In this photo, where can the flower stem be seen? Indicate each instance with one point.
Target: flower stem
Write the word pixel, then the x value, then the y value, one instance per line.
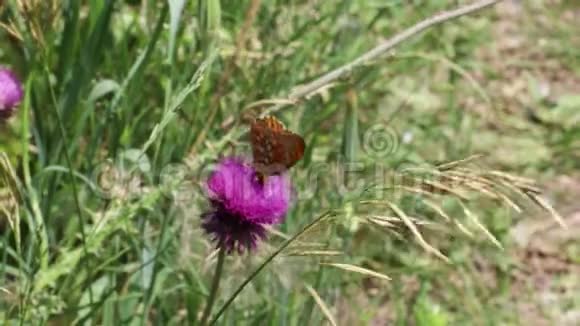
pixel 214 285
pixel 266 262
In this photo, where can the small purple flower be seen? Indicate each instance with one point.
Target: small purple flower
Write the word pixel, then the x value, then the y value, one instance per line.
pixel 10 93
pixel 242 205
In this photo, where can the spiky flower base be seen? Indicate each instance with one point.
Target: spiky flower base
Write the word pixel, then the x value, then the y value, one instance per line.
pixel 232 231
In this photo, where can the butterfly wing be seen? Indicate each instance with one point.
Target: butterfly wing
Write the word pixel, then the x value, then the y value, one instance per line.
pixel 291 149
pixel 274 148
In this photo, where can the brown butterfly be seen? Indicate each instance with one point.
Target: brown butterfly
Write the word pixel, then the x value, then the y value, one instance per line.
pixel 274 148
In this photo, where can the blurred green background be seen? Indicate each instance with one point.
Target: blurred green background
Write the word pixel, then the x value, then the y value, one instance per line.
pixel 128 103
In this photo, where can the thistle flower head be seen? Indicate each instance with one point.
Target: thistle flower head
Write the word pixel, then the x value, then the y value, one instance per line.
pixel 10 93
pixel 242 205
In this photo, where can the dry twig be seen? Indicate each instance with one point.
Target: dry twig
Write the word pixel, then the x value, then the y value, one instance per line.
pixel 303 91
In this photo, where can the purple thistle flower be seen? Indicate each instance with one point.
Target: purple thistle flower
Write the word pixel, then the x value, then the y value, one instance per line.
pixel 242 206
pixel 10 93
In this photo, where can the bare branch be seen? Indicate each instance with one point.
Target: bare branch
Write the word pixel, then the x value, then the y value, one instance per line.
pixel 302 91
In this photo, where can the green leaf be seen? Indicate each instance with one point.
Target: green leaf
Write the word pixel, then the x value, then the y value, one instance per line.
pixel 566 112
pixel 214 13
pixel 102 88
pixel 350 138
pixel 132 157
pixel 513 151
pixel 428 313
pixel 175 10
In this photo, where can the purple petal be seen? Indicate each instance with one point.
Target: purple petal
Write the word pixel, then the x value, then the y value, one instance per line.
pixel 10 92
pixel 235 185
